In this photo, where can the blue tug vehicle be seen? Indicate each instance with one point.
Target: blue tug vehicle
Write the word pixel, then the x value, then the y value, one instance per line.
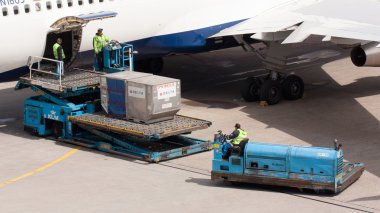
pixel 316 168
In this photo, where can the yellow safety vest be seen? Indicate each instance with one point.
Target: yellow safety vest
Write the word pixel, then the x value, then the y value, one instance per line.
pixel 55 51
pixel 99 42
pixel 242 134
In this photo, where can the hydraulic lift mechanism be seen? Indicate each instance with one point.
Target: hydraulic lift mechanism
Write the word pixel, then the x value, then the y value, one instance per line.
pixel 68 108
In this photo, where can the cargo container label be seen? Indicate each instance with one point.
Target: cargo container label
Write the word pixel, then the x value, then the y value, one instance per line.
pixel 166 106
pixel 165 91
pixel 136 92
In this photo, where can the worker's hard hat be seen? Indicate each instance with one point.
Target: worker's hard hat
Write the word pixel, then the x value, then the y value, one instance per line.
pixel 100 30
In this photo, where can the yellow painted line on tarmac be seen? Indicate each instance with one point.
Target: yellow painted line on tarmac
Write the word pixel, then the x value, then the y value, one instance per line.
pixel 42 168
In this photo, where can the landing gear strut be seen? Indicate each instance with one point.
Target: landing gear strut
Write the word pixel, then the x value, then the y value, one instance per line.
pixel 272 88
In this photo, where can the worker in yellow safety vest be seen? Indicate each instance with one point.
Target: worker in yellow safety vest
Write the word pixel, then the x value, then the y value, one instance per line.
pixel 59 55
pixel 238 135
pixel 99 41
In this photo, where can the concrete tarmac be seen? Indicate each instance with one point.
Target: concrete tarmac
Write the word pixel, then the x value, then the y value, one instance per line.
pixel 341 102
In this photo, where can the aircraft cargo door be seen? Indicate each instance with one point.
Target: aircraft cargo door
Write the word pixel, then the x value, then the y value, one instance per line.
pixel 69 29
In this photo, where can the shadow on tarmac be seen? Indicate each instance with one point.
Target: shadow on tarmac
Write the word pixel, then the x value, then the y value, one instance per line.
pixel 328 113
pixel 366 198
pixel 105 154
pixel 11 112
pixel 11 121
pixel 257 187
pixel 328 110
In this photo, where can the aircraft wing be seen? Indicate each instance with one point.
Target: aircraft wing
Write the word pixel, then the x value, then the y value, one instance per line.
pixel 342 21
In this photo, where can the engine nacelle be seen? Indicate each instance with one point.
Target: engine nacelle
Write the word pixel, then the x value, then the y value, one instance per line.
pixel 367 55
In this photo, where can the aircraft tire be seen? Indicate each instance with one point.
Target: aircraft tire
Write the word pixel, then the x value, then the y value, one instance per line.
pixel 271 92
pixel 250 90
pixel 292 87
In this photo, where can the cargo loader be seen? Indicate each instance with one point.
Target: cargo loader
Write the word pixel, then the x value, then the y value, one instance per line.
pixel 316 168
pixel 71 108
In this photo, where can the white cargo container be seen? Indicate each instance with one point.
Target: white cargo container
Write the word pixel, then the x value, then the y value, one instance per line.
pixel 113 92
pixel 153 98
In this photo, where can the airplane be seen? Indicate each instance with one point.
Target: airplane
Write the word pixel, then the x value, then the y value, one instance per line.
pixel 158 28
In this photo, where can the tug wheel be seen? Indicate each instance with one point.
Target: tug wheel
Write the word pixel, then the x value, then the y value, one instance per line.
pixel 57 129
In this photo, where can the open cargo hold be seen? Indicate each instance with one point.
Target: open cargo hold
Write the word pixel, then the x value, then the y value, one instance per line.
pixel 113 94
pixel 153 98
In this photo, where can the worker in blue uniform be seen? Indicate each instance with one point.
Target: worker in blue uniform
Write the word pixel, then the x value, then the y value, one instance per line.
pixel 59 55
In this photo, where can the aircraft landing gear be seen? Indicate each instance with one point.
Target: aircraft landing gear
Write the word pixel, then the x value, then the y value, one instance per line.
pixel 272 88
pixel 250 90
pixel 270 91
pixel 292 87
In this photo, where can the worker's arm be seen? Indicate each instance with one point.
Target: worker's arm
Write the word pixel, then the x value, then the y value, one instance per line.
pixel 106 39
pixel 94 44
pixel 233 135
pixel 59 50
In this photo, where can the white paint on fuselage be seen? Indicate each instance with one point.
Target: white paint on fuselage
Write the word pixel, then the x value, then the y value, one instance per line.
pixel 24 34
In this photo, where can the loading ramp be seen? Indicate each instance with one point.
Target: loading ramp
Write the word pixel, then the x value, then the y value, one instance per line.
pixel 67 107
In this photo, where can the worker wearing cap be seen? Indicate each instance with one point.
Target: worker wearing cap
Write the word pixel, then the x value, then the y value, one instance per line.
pixel 99 41
pixel 238 135
pixel 59 54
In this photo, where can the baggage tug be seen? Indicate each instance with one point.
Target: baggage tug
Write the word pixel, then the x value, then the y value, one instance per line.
pixel 283 165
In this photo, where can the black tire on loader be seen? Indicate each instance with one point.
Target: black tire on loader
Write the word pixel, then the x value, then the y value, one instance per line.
pixel 57 129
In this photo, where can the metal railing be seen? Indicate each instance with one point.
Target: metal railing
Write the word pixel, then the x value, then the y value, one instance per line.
pixel 127 56
pixel 58 71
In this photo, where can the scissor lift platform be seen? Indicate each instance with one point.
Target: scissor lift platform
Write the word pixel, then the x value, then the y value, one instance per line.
pixel 68 108
pixel 179 125
pixel 73 80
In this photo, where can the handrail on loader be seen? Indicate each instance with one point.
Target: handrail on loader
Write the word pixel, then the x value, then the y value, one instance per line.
pixel 36 59
pixel 130 58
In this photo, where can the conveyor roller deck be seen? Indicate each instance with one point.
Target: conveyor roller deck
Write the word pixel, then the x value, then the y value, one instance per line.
pixel 75 79
pixel 179 125
pixel 67 107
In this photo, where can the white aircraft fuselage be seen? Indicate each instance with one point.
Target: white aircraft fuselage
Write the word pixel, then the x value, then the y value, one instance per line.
pixel 155 27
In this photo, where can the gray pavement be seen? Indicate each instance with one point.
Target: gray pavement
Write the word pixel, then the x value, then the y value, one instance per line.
pixel 340 101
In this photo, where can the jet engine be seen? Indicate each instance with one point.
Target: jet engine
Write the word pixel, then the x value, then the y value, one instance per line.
pixel 366 56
